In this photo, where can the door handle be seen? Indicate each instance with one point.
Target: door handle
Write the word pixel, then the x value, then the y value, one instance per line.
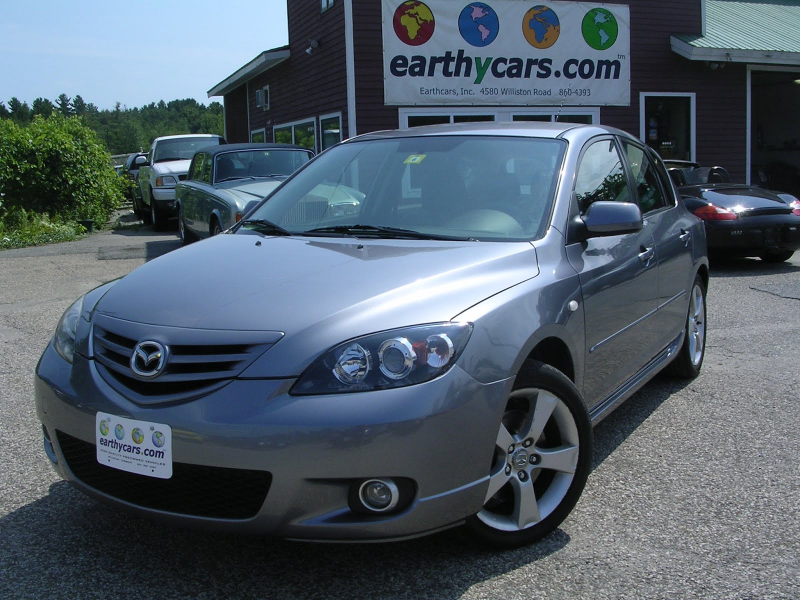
pixel 646 255
pixel 685 236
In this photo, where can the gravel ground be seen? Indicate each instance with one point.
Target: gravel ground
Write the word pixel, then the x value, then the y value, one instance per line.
pixel 695 489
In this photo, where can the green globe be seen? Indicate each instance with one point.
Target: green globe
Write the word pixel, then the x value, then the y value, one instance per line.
pixel 599 29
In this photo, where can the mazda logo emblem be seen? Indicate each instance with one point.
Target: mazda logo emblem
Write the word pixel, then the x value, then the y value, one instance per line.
pixel 148 359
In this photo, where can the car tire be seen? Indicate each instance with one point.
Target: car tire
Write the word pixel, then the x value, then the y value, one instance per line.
pixel 541 460
pixel 777 257
pixel 216 228
pixel 183 233
pixel 156 218
pixel 689 360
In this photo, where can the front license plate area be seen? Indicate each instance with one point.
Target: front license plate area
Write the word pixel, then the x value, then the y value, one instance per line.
pixel 139 447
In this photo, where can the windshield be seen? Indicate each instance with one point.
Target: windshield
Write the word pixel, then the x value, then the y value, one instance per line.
pixel 182 148
pixel 258 163
pixel 441 187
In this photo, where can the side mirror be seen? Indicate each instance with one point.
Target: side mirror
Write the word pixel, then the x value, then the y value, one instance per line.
pixel 612 218
pixel 140 160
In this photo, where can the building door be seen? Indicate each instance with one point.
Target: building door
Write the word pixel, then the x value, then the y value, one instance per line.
pixel 667 123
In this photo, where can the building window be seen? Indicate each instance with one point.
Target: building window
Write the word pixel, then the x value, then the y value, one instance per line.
pixel 326 4
pixel 330 127
pixel 667 124
pixel 258 136
pixel 415 117
pixel 301 133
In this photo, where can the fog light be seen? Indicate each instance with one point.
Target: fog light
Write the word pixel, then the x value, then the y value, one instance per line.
pixel 379 495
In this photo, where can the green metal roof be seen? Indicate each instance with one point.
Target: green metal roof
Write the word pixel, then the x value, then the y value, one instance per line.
pixel 751 31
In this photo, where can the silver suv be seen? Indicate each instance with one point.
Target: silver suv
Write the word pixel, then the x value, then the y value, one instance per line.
pixel 434 356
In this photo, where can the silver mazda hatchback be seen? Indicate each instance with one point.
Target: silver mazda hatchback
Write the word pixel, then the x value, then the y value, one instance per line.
pixel 435 355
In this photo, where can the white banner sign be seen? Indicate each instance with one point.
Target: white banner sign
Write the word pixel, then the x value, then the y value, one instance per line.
pixel 506 52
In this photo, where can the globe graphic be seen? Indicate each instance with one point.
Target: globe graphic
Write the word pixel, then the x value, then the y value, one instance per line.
pixel 119 431
pixel 478 24
pixel 137 436
pixel 541 27
pixel 104 428
pixel 158 439
pixel 599 29
pixel 413 23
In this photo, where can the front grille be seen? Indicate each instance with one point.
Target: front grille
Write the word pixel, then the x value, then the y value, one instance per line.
pixel 199 361
pixel 182 177
pixel 193 490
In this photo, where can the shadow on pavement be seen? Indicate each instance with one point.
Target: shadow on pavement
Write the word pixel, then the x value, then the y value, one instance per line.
pixel 68 545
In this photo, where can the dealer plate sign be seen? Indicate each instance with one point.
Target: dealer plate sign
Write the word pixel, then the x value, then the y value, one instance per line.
pixel 139 447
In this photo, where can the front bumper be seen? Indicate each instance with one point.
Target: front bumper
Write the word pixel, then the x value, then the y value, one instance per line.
pixel 752 236
pixel 164 200
pixel 439 435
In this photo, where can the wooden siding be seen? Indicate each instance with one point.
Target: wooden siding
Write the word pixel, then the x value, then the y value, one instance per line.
pixel 309 86
pixel 305 86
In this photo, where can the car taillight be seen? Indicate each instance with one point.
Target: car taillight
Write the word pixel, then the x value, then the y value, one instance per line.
pixel 795 207
pixel 715 213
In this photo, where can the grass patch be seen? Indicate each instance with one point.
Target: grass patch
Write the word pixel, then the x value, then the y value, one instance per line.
pixel 37 230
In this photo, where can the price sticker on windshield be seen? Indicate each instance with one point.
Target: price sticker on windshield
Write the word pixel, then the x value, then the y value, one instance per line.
pixel 414 159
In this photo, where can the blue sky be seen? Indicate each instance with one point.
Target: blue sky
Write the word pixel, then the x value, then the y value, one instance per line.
pixel 133 52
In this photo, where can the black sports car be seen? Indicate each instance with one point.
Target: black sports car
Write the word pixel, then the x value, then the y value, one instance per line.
pixel 741 220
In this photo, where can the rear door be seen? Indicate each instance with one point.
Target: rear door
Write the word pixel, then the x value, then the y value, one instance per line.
pixel 672 232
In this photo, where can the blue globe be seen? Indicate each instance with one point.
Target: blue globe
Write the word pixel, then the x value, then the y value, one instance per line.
pixel 478 24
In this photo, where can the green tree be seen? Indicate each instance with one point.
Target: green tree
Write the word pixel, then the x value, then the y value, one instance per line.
pixel 4 113
pixel 64 104
pixel 79 105
pixel 43 106
pixel 20 111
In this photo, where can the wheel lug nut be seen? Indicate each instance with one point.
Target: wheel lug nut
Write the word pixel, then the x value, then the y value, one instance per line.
pixel 527 443
pixel 511 449
pixel 508 469
pixel 535 459
pixel 522 475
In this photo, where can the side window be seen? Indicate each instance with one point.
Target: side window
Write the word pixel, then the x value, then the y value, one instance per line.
pixel 196 168
pixel 206 174
pixel 666 180
pixel 600 176
pixel 649 194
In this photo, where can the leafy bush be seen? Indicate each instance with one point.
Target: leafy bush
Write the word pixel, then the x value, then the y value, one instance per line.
pixel 56 167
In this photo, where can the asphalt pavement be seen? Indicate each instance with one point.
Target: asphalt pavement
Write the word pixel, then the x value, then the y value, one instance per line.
pixel 695 490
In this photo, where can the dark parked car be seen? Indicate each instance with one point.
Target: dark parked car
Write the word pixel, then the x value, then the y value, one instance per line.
pixel 223 179
pixel 741 220
pixel 434 358
pixel 130 171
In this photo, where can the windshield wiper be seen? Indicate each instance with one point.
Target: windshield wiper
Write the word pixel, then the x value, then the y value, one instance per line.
pixel 382 231
pixel 234 178
pixel 265 226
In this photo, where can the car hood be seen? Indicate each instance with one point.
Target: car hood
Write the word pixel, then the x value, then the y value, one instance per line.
pixel 172 167
pixel 250 189
pixel 742 197
pixel 319 292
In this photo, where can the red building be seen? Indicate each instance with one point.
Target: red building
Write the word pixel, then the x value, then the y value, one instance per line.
pixel 716 81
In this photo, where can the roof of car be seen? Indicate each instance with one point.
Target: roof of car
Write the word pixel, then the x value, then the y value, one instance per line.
pixel 188 135
pixel 221 149
pixel 515 128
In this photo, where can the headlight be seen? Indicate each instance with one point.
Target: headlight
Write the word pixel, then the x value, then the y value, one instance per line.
pixel 165 180
pixel 64 338
pixel 385 360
